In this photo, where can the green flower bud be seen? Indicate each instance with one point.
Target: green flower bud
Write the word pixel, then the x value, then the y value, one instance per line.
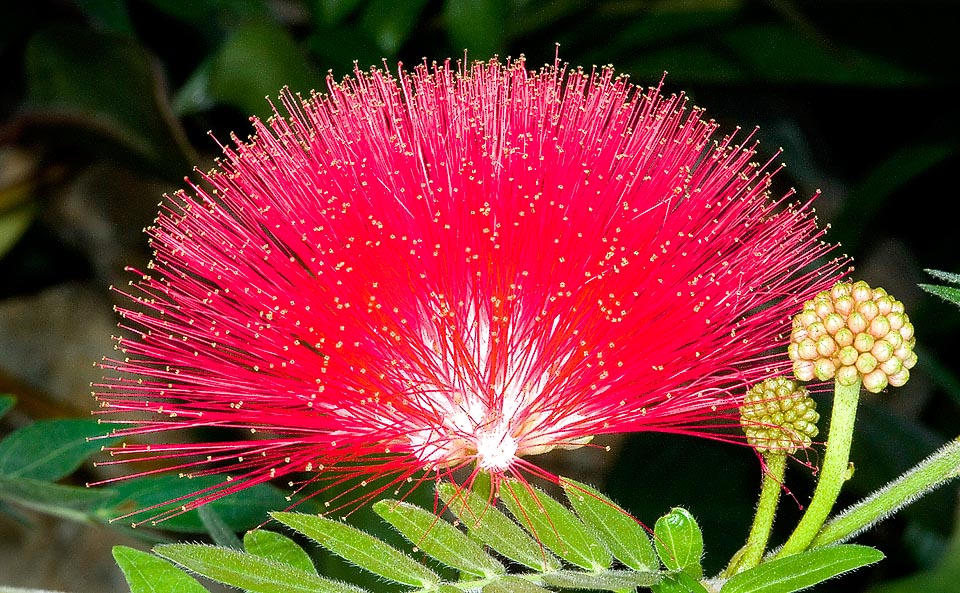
pixel 779 415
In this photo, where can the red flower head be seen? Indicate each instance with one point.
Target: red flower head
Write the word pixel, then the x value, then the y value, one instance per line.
pixel 460 267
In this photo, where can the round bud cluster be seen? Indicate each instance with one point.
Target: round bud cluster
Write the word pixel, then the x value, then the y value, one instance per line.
pixel 853 332
pixel 779 415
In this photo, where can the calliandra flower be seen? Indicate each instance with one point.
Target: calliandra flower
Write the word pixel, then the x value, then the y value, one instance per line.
pixel 458 266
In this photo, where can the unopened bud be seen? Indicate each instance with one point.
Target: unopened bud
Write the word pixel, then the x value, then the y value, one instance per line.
pixel 779 415
pixel 853 332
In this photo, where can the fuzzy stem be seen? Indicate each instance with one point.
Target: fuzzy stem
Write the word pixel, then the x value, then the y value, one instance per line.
pixel 751 553
pixel 833 473
pixel 766 510
pixel 934 471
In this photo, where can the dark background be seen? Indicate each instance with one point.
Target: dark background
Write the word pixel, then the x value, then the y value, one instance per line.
pixel 105 105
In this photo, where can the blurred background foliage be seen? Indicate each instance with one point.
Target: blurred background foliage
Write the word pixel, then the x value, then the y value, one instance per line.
pixel 107 104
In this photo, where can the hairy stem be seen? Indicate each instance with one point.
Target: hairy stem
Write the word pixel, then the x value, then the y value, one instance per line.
pixel 750 554
pixel 929 474
pixel 766 510
pixel 833 473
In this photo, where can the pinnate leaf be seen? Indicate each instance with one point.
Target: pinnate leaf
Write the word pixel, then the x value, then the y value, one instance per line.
pixel 947 293
pixel 362 549
pixel 555 526
pixel 679 542
pixel 238 512
pixel 276 546
pixel 49 449
pixel 622 534
pixel 439 539
pixel 249 572
pixel 799 571
pixel 489 525
pixel 945 276
pixel 951 294
pixel 70 502
pixel 147 573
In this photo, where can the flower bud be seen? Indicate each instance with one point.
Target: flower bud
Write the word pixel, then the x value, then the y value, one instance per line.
pixel 779 415
pixel 853 332
pixel 805 370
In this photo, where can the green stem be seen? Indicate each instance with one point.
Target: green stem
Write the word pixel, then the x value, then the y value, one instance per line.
pixel 833 473
pixel 750 554
pixel 932 472
pixel 766 510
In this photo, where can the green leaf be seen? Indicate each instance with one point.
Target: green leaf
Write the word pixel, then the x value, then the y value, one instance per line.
pixel 238 512
pixel 341 47
pixel 105 84
pixel 623 534
pixel 146 573
pixel 49 449
pixel 6 404
pixel 513 585
pixel 793 573
pixel 488 524
pixel 257 61
pixel 438 539
pixel 246 571
pixel 947 293
pixel 70 502
pixel 664 23
pixel 390 23
pixel 679 582
pixel 945 276
pixel 679 542
pixel 333 12
pixel 554 525
pixel 276 546
pixel 194 95
pixel 219 531
pixel 363 549
pixel 608 580
pixel 478 26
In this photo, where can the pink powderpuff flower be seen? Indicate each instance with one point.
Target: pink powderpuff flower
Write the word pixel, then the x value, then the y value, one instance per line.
pixel 462 265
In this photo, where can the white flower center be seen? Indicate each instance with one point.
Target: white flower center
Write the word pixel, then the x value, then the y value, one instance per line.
pixel 496 451
pixel 491 420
